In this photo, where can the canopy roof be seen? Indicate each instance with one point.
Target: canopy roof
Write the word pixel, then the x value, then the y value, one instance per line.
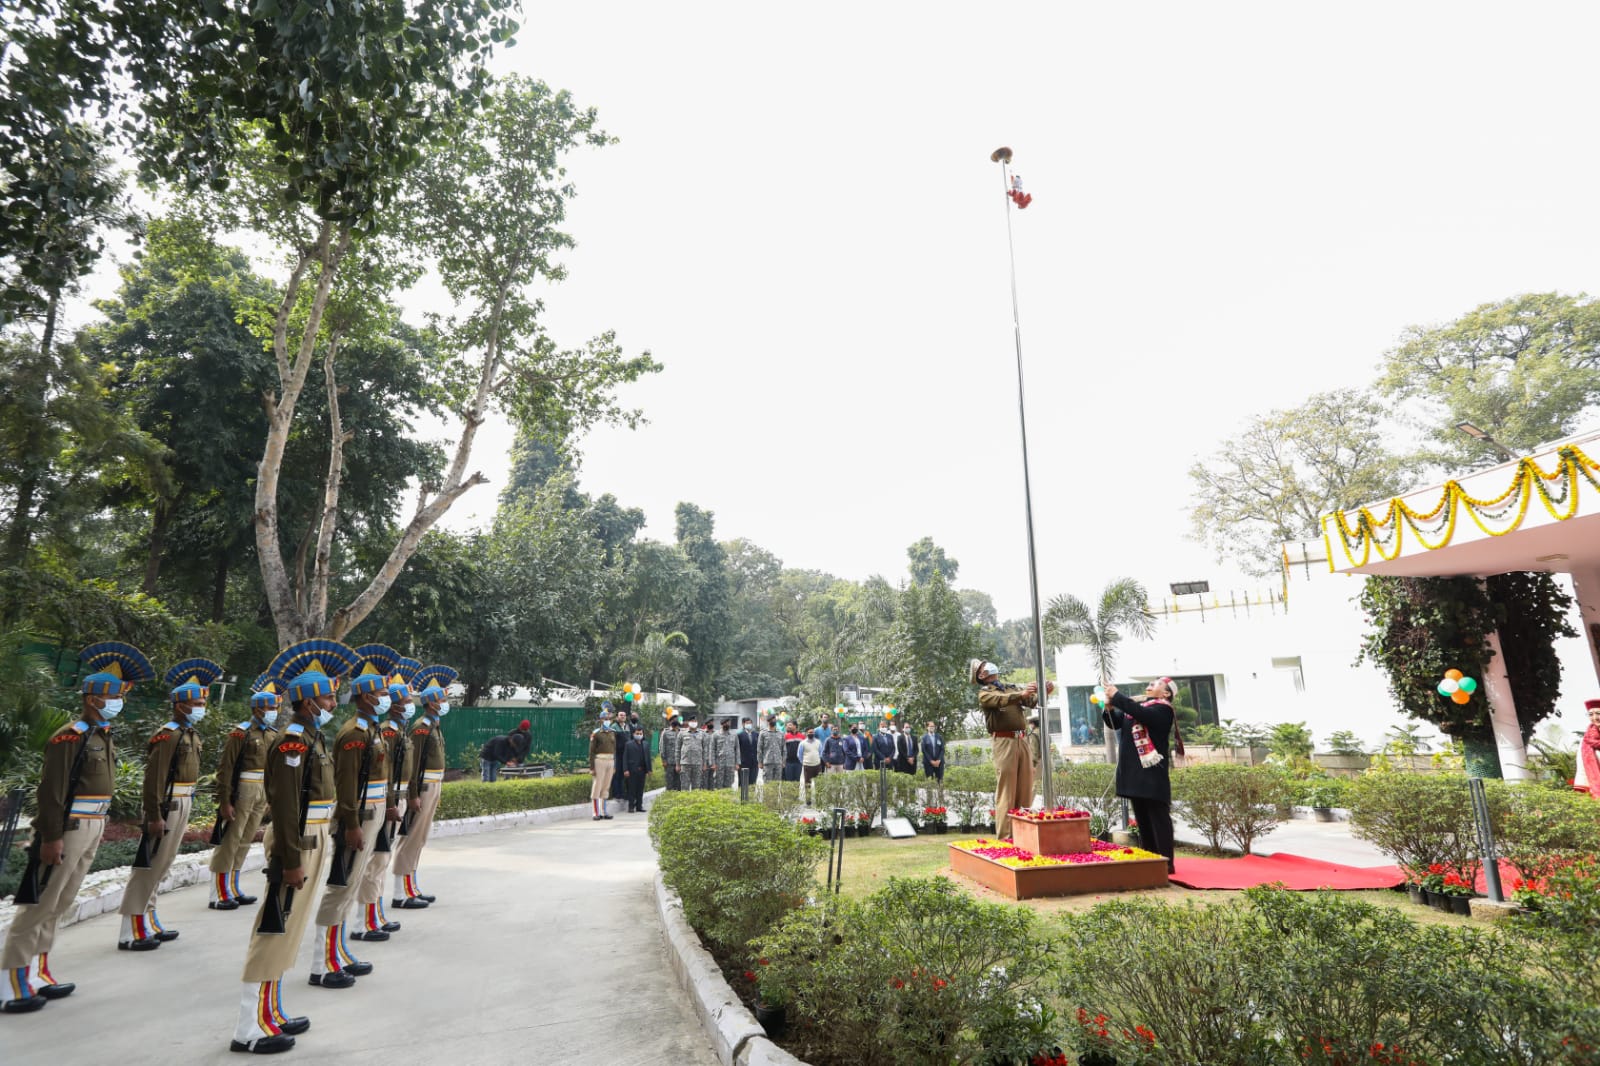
pixel 1541 512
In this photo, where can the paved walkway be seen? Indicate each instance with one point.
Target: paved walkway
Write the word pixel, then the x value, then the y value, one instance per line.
pixel 544 947
pixel 1328 841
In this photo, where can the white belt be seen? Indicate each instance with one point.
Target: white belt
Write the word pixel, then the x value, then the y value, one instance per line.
pixel 185 789
pixel 319 811
pixel 433 775
pixel 252 775
pixel 91 806
pixel 376 794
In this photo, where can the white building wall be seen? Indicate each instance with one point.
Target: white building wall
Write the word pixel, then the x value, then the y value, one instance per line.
pixel 1322 628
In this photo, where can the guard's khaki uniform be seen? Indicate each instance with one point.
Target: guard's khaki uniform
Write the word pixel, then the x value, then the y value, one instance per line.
pixel 427 738
pixel 244 753
pixel 300 750
pixel 401 757
pixel 171 745
pixel 602 764
pixel 1003 716
pixel 33 930
pixel 361 776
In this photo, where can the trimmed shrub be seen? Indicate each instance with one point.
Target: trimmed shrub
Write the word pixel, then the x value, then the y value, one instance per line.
pixel 475 799
pixel 919 973
pixel 1541 830
pixel 1090 786
pixel 1230 803
pixel 737 867
pixel 1419 819
pixel 780 797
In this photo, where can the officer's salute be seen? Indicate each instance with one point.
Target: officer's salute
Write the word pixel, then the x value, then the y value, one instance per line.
pixel 301 795
pixel 74 796
pixel 242 795
pixel 171 768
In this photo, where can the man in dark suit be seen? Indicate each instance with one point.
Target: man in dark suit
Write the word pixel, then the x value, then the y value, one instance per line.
pixel 749 745
pixel 933 753
pixel 883 746
pixel 635 760
pixel 854 749
pixel 905 751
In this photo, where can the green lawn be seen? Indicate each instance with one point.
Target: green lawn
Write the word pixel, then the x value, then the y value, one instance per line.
pixel 870 862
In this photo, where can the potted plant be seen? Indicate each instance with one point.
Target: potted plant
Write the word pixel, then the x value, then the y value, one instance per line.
pixel 1457 892
pixel 808 825
pixel 1433 887
pixel 1322 798
pixel 770 1010
pixel 1414 890
pixel 935 817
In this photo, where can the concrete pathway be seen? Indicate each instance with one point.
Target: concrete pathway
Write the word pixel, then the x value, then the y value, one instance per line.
pixel 1328 841
pixel 544 947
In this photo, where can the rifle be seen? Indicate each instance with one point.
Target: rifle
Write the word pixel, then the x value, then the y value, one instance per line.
pixel 141 858
pixel 35 875
pixel 339 870
pixel 219 828
pixel 422 768
pixel 274 913
pixel 386 833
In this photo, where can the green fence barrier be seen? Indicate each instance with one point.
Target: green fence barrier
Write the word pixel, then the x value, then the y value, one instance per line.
pixel 553 729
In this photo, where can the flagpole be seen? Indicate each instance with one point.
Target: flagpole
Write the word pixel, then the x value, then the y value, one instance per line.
pixel 1047 789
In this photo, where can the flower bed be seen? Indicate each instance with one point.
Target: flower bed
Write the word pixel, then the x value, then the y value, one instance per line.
pixel 1022 874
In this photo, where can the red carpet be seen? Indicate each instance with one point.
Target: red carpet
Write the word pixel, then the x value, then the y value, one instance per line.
pixel 1295 872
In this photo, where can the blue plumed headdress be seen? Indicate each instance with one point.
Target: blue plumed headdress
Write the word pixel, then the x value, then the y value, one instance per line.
pixel 113 668
pixel 264 692
pixel 432 681
pixel 377 663
pixel 192 679
pixel 312 667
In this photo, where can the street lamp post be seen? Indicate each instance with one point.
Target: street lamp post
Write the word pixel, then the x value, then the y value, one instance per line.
pixel 1002 156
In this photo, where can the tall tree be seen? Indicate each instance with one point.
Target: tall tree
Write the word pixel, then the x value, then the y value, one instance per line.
pixel 660 660
pixel 1274 481
pixel 709 624
pixel 1525 370
pixel 921 656
pixel 927 560
pixel 1122 609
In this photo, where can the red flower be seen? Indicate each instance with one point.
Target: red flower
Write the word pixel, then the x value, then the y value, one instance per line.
pixel 897 983
pixel 764 962
pixel 749 975
pixel 938 983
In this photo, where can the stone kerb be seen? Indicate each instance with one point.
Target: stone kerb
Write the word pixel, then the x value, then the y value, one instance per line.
pixel 736 1036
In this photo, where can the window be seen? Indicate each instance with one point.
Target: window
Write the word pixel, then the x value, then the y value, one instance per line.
pixel 1292 669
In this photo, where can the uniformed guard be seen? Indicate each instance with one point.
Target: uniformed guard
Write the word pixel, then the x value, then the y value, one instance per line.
pixel 361 771
pixel 602 764
pixel 171 768
pixel 725 753
pixel 770 752
pixel 301 796
pixel 375 924
pixel 427 736
pixel 74 796
pixel 708 772
pixel 242 795
pixel 670 740
pixel 691 757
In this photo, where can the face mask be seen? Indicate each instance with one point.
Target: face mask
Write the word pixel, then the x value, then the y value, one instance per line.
pixel 444 709
pixel 111 709
pixel 323 717
pixel 407 710
pixel 384 703
pixel 196 713
pixel 638 736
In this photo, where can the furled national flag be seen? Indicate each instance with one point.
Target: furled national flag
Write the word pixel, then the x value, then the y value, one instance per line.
pixel 1018 197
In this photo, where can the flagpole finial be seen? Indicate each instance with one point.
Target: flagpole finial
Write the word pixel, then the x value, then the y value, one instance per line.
pixel 1000 155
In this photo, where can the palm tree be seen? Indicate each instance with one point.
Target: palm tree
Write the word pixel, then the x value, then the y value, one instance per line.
pixel 1122 608
pixel 659 659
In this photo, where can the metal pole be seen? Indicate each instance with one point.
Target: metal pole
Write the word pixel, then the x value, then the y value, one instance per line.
pixel 1003 157
pixel 1486 847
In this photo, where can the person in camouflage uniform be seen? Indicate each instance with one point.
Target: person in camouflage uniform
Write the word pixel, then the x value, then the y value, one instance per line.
pixel 724 754
pixel 691 760
pixel 770 752
pixel 670 741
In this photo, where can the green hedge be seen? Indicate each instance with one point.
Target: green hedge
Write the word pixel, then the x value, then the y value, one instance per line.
pixel 474 799
pixel 1232 804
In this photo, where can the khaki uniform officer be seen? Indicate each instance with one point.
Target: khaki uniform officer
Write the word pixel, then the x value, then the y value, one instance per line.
pixel 74 795
pixel 301 796
pixel 427 737
pixel 171 769
pixel 1003 707
pixel 361 769
pixel 602 764
pixel 375 924
pixel 242 795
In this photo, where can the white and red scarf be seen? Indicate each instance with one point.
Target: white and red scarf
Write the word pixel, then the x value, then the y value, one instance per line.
pixel 1148 755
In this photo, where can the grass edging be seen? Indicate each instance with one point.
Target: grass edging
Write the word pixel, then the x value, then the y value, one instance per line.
pixel 737 1037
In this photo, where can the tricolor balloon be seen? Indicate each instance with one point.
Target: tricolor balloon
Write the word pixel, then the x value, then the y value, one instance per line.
pixel 1457 687
pixel 631 692
pixel 1098 696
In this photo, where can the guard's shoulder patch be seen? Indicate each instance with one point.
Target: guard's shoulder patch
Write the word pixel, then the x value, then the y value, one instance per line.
pixel 159 737
pixel 243 726
pixel 66 738
pixel 171 725
pixel 237 734
pixel 361 723
pixel 291 747
pixel 295 727
pixel 81 726
pixel 355 745
pixel 421 731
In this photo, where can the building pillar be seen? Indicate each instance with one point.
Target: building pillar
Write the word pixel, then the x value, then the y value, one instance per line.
pixel 1586 590
pixel 1503 715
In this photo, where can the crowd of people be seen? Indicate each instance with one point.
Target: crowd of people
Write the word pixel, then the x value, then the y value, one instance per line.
pixel 340 812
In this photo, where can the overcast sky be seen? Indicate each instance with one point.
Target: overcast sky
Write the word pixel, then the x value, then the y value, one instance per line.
pixel 1234 206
